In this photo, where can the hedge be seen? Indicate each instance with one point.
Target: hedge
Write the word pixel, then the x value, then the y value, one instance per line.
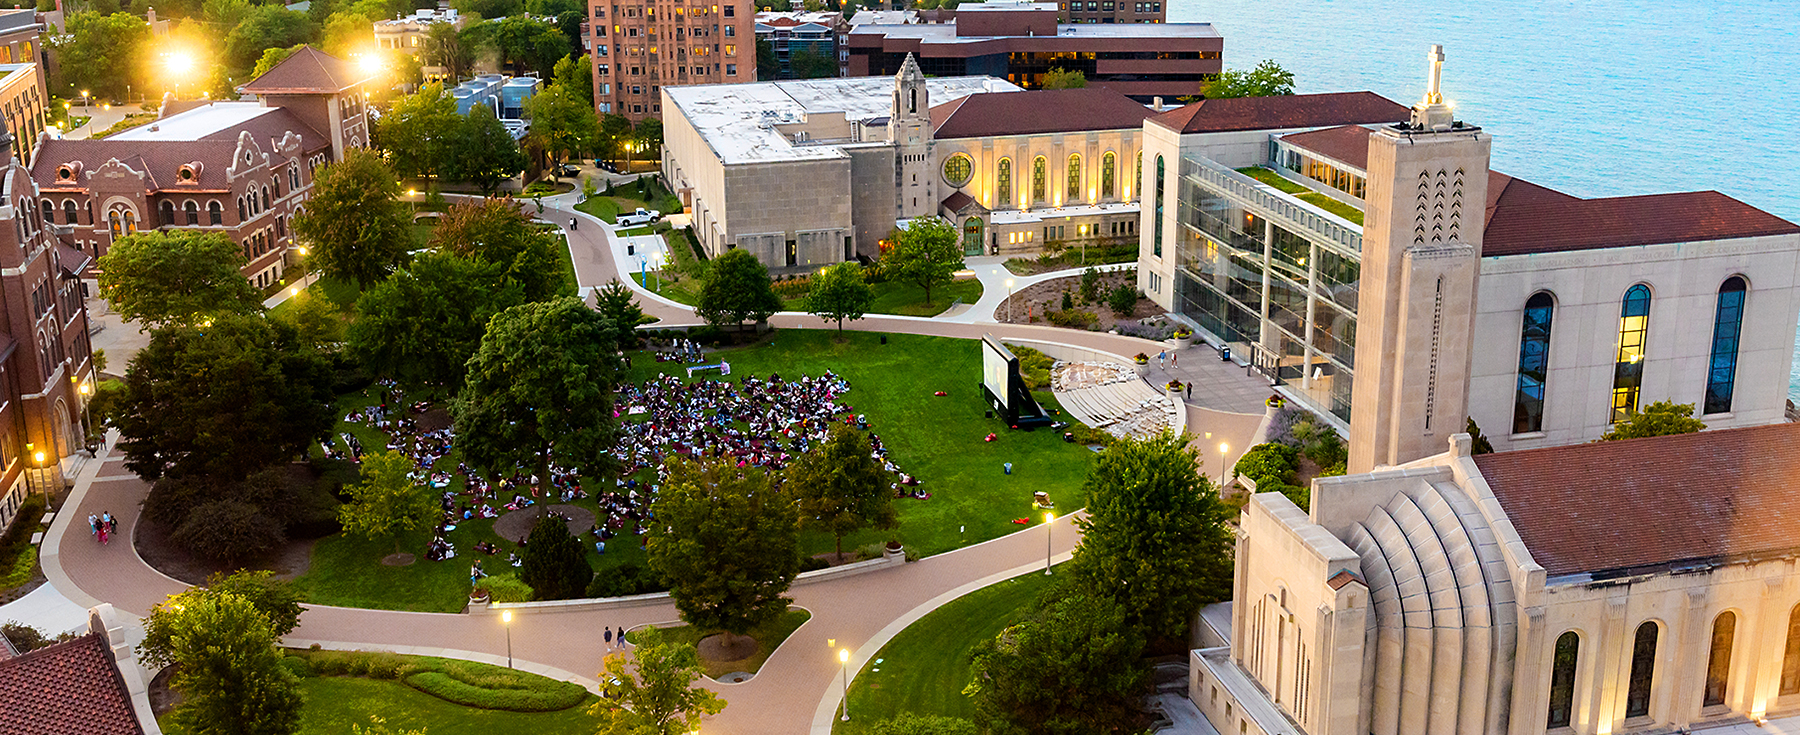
pixel 477 685
pixel 446 686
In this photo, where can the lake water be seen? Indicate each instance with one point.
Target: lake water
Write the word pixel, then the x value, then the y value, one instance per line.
pixel 1595 98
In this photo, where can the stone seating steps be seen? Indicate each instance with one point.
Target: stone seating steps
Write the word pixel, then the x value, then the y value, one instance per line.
pixel 1123 407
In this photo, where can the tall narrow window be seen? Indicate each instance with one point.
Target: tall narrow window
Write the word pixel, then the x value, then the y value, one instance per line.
pixel 1562 679
pixel 1790 658
pixel 192 211
pixel 1038 190
pixel 1643 668
pixel 1107 163
pixel 1003 185
pixel 1534 363
pixel 168 212
pixel 1139 185
pixel 1628 369
pixel 1728 321
pixel 215 215
pixel 1157 226
pixel 1718 661
pixel 69 211
pixel 1073 195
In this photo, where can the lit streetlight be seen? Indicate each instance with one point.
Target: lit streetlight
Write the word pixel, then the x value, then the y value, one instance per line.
pixel 1009 304
pixel 506 621
pixel 1223 448
pixel 86 389
pixel 1049 518
pixel 844 658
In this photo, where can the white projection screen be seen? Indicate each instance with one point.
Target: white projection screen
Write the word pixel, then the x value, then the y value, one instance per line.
pixel 996 368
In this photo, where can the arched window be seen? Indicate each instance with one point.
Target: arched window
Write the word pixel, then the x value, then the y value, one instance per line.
pixel 118 226
pixel 1562 679
pixel 1628 369
pixel 49 212
pixel 168 212
pixel 1790 657
pixel 1643 669
pixel 243 211
pixel 1718 660
pixel 1534 363
pixel 1073 194
pixel 1003 184
pixel 293 177
pixel 1107 163
pixel 1728 321
pixel 70 212
pixel 215 214
pixel 1157 226
pixel 1038 174
pixel 265 198
pixel 131 222
pixel 192 211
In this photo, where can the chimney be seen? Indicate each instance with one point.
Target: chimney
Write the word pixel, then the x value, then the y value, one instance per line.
pixel 1156 104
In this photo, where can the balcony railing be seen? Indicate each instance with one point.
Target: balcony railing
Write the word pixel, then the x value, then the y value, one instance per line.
pixel 1264 201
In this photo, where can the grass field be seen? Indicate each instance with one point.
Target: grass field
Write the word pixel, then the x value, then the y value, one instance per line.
pixel 890 297
pixel 335 703
pixel 923 669
pixel 768 637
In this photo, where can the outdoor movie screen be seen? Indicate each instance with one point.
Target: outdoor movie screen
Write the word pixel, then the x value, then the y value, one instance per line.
pixel 996 362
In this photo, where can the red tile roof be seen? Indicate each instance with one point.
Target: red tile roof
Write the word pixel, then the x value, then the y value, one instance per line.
pixel 957 201
pixel 1288 111
pixel 65 689
pixel 307 71
pixel 164 159
pixel 1038 111
pixel 1640 504
pixel 1346 143
pixel 1342 578
pixel 1545 225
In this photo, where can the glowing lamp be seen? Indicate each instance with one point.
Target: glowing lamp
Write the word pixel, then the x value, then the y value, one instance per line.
pixel 39 457
pixel 844 655
pixel 506 617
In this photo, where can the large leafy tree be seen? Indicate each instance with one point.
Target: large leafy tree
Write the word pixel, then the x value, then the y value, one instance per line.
pixel 840 293
pixel 555 563
pixel 616 302
pixel 498 231
pixel 271 57
pixel 654 693
pixel 528 43
pixel 275 598
pixel 1268 79
pixel 1662 418
pixel 614 133
pixel 563 119
pixel 223 400
pixel 576 73
pixel 840 488
pixel 421 133
pixel 226 666
pixel 540 387
pixel 443 46
pixel 926 252
pixel 1155 538
pixel 726 539
pixel 1073 670
pixel 355 221
pixel 806 63
pixel 737 289
pixel 264 27
pixel 388 503
pixel 485 152
pixel 100 53
pixel 178 277
pixel 421 325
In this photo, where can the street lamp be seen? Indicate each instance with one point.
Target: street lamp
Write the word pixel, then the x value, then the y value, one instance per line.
pixel 506 621
pixel 844 658
pixel 87 419
pixel 1049 518
pixel 1009 303
pixel 1223 448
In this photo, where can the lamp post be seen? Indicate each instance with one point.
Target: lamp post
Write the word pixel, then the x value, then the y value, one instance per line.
pixel 1009 304
pixel 506 621
pixel 1223 448
pixel 31 472
pixel 87 420
pixel 37 458
pixel 1049 518
pixel 844 658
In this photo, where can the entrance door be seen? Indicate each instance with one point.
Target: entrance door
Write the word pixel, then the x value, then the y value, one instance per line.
pixel 972 236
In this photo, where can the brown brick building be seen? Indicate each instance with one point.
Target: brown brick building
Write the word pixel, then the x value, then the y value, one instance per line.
pixel 640 46
pixel 1112 11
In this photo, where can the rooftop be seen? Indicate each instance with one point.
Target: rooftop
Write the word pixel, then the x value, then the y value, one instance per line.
pixel 884 17
pixel 307 71
pixel 1035 112
pixel 70 687
pixel 1518 224
pixel 1277 113
pixel 16 19
pixel 198 122
pixel 205 135
pixel 1614 508
pixel 946 32
pixel 738 120
pixel 1345 143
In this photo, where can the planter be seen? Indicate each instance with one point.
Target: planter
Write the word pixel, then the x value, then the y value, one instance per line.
pixel 893 551
pixel 1142 368
pixel 1182 343
pixel 478 596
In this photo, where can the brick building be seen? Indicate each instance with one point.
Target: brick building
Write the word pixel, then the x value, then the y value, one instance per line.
pixel 638 48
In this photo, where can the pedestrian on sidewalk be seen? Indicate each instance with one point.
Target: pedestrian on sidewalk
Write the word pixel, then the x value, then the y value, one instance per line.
pixel 1190 390
pixel 1162 359
pixel 1173 357
pixel 609 638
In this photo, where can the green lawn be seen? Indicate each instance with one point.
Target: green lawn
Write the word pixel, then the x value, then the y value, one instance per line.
pixel 334 703
pixel 768 637
pixel 891 297
pixel 670 286
pixel 609 208
pixel 923 669
pixel 1268 176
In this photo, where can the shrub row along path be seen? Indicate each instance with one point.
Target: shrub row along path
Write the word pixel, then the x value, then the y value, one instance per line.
pixel 797 690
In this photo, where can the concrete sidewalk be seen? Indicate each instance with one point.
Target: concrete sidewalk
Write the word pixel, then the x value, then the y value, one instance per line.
pixel 47 610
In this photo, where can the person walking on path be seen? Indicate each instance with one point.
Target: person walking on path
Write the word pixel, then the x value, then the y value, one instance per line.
pixel 1162 359
pixel 1190 390
pixel 609 638
pixel 1173 357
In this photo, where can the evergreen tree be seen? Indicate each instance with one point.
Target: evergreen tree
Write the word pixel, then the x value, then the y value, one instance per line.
pixel 840 488
pixel 554 562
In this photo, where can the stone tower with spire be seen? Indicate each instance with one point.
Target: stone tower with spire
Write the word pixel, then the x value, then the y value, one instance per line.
pixel 1426 206
pixel 910 129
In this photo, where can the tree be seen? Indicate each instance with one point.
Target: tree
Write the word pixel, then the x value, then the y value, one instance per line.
pixel 737 289
pixel 99 53
pixel 926 252
pixel 540 387
pixel 276 599
pixel 1072 671
pixel 805 63
pixel 358 227
pixel 555 564
pixel 1268 79
pixel 768 66
pixel 264 27
pixel 223 401
pixel 179 277
pixel 497 231
pixel 485 153
pixel 576 74
pixel 615 132
pixel 657 696
pixel 444 47
pixel 1662 418
pixel 1478 444
pixel 318 321
pixel 422 324
pixel 388 503
pixel 421 133
pixel 1060 78
pixel 840 488
pixel 563 119
pixel 1154 522
pixel 648 135
pixel 271 57
pixel 529 44
pixel 726 541
pixel 226 665
pixel 619 305
pixel 839 293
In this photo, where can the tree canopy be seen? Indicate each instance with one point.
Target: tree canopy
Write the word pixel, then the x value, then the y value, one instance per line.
pixel 1155 538
pixel 498 231
pixel 1662 418
pixel 99 53
pixel 1073 670
pixel 839 293
pixel 562 117
pixel 840 488
pixel 421 325
pixel 421 132
pixel 177 277
pixel 1268 79
pixel 388 503
pixel 540 387
pixel 727 543
pixel 927 252
pixel 618 304
pixel 554 563
pixel 226 665
pixel 485 153
pixel 223 400
pixel 529 44
pixel 358 227
pixel 264 27
pixel 656 694
pixel 737 289
pixel 1060 78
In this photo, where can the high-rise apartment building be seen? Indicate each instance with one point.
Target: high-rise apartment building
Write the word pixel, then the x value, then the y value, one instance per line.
pixel 639 46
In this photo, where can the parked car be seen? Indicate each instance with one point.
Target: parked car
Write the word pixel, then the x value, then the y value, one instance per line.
pixel 605 165
pixel 563 169
pixel 641 217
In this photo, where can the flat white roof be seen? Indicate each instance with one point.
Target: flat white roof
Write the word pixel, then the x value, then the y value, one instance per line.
pixel 946 32
pixel 738 120
pixel 197 123
pixel 1047 214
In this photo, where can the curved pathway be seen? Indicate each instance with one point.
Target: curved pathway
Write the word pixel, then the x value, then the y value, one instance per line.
pixel 797 689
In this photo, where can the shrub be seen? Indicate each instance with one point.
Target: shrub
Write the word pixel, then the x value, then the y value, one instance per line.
pixel 910 724
pixel 26 638
pixel 812 564
pixel 793 287
pixel 228 531
pixel 299 667
pixel 626 579
pixel 1301 496
pixel 1268 464
pixel 507 588
pixel 1123 300
pixel 1034 366
pixel 1090 285
pixel 372 664
pixel 1068 300
pixel 555 563
pixel 1084 434
pixel 1073 319
pixel 1152 332
pixel 513 694
pixel 171 497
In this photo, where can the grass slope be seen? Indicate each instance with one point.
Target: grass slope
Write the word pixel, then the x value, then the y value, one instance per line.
pixel 334 703
pixel 768 638
pixel 890 297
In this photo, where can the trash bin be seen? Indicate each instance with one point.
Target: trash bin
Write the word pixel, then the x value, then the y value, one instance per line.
pixel 1224 353
pixel 630 249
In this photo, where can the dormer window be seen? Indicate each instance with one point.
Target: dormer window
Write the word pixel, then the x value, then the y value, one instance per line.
pixel 189 173
pixel 68 171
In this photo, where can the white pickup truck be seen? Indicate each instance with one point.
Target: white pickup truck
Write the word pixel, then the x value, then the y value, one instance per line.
pixel 641 217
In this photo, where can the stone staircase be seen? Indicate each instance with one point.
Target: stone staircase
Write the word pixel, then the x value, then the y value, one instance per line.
pixel 1112 397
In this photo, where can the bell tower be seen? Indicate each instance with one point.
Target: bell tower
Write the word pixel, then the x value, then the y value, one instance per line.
pixel 910 129
pixel 1426 207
